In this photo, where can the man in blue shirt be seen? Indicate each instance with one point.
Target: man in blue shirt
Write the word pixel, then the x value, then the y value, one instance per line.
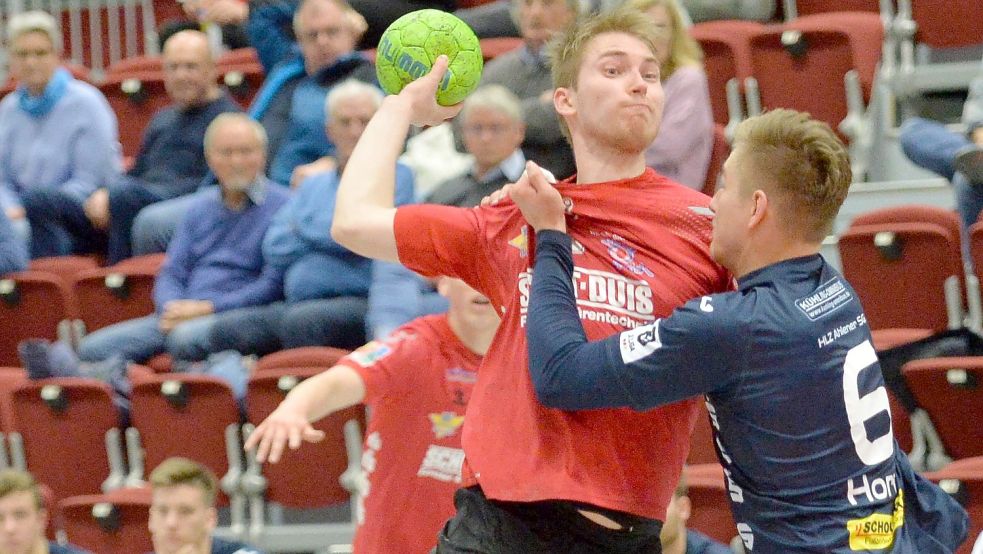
pixel 182 510
pixel 171 160
pixel 215 262
pixel 325 284
pixel 792 383
pixel 23 517
pixel 13 250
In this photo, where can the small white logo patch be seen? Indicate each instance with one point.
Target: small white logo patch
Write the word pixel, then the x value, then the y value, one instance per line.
pixel 640 342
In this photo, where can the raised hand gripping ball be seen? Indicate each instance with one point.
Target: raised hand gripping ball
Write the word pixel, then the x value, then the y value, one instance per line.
pixel 412 43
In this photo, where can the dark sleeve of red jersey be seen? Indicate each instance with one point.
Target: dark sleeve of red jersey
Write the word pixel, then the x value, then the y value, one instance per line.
pixel 443 240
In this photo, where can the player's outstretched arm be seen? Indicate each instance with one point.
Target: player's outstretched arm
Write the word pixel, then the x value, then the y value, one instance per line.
pixel 290 424
pixel 364 212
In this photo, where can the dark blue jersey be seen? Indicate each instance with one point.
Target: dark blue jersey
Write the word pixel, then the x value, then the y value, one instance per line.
pixel 792 384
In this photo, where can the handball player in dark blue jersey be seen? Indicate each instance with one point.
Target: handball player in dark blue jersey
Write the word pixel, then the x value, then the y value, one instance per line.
pixel 792 383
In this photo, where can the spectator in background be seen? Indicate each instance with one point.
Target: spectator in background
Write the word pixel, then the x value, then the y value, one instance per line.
pixel 58 142
pixel 182 510
pixel 676 538
pixel 215 262
pixel 171 161
pixel 956 156
pixel 290 102
pixel 681 151
pixel 417 384
pixel 23 517
pixel 493 131
pixel 221 20
pixel 526 72
pixel 13 251
pixel 325 284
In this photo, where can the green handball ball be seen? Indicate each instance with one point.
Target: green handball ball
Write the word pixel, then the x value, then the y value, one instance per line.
pixel 412 43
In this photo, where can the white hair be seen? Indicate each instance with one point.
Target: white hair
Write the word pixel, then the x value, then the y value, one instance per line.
pixel 494 97
pixel 228 117
pixel 351 88
pixel 34 21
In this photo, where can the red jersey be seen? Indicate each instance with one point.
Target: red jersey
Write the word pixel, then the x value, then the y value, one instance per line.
pixel 641 248
pixel 417 384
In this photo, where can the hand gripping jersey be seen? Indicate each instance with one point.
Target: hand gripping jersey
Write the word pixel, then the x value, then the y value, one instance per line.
pixel 796 400
pixel 417 384
pixel 642 249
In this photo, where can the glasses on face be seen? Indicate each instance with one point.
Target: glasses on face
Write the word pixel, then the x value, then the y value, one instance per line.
pixel 328 32
pixel 491 128
pixel 25 54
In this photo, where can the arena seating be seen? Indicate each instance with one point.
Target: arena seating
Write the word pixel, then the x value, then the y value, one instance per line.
pixel 710 513
pixel 949 389
pixel 110 295
pixel 963 479
pixel 307 357
pixel 32 305
pixel 718 155
pixel 111 522
pixel 726 56
pixel 63 424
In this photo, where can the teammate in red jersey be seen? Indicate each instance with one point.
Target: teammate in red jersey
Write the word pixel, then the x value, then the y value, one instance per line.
pixel 417 383
pixel 545 480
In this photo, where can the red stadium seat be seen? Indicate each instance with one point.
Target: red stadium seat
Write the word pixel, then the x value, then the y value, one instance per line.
pixel 718 155
pixel 710 513
pixel 866 34
pixel 963 479
pixel 951 391
pixel 63 424
pixel 319 357
pixel 946 23
pixel 10 379
pixel 148 262
pixel 701 449
pixel 135 97
pixel 135 64
pixel 902 261
pixel 32 305
pixel 113 522
pixel 809 7
pixel 726 56
pixel 184 415
pixel 109 295
pixel 289 482
pixel 66 267
pixel 494 47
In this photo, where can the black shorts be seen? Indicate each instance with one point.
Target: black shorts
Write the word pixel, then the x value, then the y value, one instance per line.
pixel 483 526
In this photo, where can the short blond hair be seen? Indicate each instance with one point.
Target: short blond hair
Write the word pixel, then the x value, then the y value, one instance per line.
pixel 494 97
pixel 566 51
pixel 804 160
pixel 14 481
pixel 683 50
pixel 182 471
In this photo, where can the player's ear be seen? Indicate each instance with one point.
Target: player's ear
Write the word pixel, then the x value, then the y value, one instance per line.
pixel 563 101
pixel 759 204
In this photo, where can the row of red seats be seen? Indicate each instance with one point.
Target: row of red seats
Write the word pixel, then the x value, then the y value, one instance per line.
pixel 66 296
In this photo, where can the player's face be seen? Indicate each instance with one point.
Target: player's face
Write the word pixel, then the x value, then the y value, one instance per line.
pixel 618 99
pixel 179 517
pixel 324 34
pixel 236 155
pixel 491 135
pixel 539 20
pixel 348 121
pixel 733 207
pixel 33 60
pixel 468 306
pixel 189 73
pixel 21 523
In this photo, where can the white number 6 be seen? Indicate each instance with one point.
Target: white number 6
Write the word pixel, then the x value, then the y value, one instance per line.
pixel 860 409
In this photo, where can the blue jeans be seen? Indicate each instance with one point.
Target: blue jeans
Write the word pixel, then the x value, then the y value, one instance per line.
pixel 338 322
pixel 59 226
pixel 931 145
pixel 155 225
pixel 140 339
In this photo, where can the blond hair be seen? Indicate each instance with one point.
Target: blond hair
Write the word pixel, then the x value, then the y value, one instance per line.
pixel 566 51
pixel 14 481
pixel 35 21
pixel 805 161
pixel 182 471
pixel 683 50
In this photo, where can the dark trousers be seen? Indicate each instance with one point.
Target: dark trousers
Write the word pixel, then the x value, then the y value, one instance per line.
pixel 59 226
pixel 483 526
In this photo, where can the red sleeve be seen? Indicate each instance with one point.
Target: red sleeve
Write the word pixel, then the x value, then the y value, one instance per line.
pixel 383 365
pixel 442 240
